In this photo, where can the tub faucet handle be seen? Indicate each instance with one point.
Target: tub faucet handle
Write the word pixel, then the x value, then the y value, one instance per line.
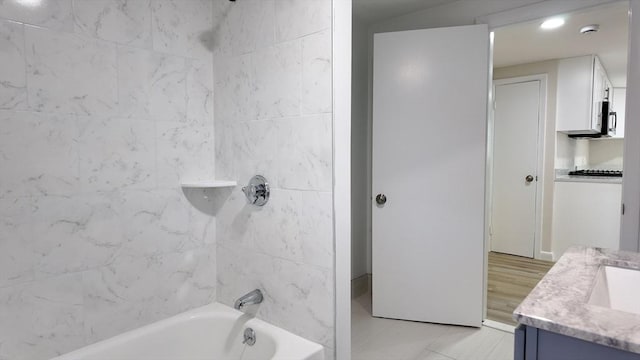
pixel 249 337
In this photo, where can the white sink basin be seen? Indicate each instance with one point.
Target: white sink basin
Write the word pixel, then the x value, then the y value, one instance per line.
pixel 617 288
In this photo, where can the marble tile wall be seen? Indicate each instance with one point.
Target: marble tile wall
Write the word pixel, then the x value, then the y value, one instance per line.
pixel 104 106
pixel 273 116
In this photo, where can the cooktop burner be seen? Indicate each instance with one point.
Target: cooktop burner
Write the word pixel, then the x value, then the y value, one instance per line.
pixel 609 173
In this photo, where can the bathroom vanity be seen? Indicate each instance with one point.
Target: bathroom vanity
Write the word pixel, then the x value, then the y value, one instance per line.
pixel 587 307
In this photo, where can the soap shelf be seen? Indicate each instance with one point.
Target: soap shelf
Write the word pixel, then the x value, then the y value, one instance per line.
pixel 208 184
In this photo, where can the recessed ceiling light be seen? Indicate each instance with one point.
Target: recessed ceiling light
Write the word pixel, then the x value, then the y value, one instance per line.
pixel 552 23
pixel 29 3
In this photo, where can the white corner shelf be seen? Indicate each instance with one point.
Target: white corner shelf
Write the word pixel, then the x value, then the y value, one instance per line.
pixel 208 184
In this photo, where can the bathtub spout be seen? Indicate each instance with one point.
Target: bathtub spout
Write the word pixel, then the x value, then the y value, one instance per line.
pixel 254 297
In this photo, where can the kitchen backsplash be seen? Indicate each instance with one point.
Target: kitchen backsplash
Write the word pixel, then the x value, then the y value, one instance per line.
pixel 605 154
pixel 565 152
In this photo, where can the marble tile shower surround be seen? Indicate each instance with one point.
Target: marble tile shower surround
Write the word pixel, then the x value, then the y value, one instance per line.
pixel 273 116
pixel 104 106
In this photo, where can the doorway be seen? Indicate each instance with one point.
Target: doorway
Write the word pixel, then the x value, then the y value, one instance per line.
pixel 523 238
pixel 516 157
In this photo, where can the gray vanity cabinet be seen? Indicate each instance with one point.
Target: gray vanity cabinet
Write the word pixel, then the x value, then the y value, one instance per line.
pixel 533 343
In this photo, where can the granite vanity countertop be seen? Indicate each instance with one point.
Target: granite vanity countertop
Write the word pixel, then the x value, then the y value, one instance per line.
pixel 589 179
pixel 559 302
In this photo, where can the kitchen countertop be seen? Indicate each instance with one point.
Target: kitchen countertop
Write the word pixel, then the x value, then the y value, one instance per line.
pixel 559 302
pixel 589 179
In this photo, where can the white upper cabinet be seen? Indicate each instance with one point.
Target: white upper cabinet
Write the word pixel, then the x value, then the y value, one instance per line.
pixel 582 85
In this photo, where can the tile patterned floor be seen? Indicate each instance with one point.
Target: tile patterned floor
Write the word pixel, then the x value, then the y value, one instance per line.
pixel 385 339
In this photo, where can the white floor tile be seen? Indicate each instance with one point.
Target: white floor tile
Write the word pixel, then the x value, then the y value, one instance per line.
pixel 430 355
pixel 363 325
pixel 399 340
pixel 463 343
pixel 386 339
pixel 504 350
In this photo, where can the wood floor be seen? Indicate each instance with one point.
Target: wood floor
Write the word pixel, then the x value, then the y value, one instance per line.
pixel 511 278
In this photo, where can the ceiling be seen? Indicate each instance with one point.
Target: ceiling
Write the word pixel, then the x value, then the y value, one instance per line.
pixel 526 42
pixel 375 10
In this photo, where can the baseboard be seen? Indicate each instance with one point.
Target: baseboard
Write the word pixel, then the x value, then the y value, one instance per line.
pixel 546 255
pixel 360 285
pixel 499 326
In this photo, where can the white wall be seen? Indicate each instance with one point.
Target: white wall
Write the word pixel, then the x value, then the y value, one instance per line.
pixel 565 152
pixel 360 155
pixel 102 112
pixel 462 12
pixel 273 117
pixel 606 154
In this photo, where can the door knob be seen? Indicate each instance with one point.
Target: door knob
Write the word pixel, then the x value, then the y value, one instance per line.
pixel 529 178
pixel 381 199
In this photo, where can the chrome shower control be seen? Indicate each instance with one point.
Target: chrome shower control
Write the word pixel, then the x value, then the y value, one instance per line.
pixel 257 191
pixel 381 199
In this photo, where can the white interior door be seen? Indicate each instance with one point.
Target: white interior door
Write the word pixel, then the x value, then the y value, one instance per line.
pixel 429 154
pixel 515 159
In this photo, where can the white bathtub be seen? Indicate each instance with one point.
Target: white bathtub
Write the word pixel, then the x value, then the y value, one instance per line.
pixel 212 332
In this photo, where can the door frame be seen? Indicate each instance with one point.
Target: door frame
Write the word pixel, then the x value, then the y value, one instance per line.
pixel 630 223
pixel 341 125
pixel 542 122
pixel 630 227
